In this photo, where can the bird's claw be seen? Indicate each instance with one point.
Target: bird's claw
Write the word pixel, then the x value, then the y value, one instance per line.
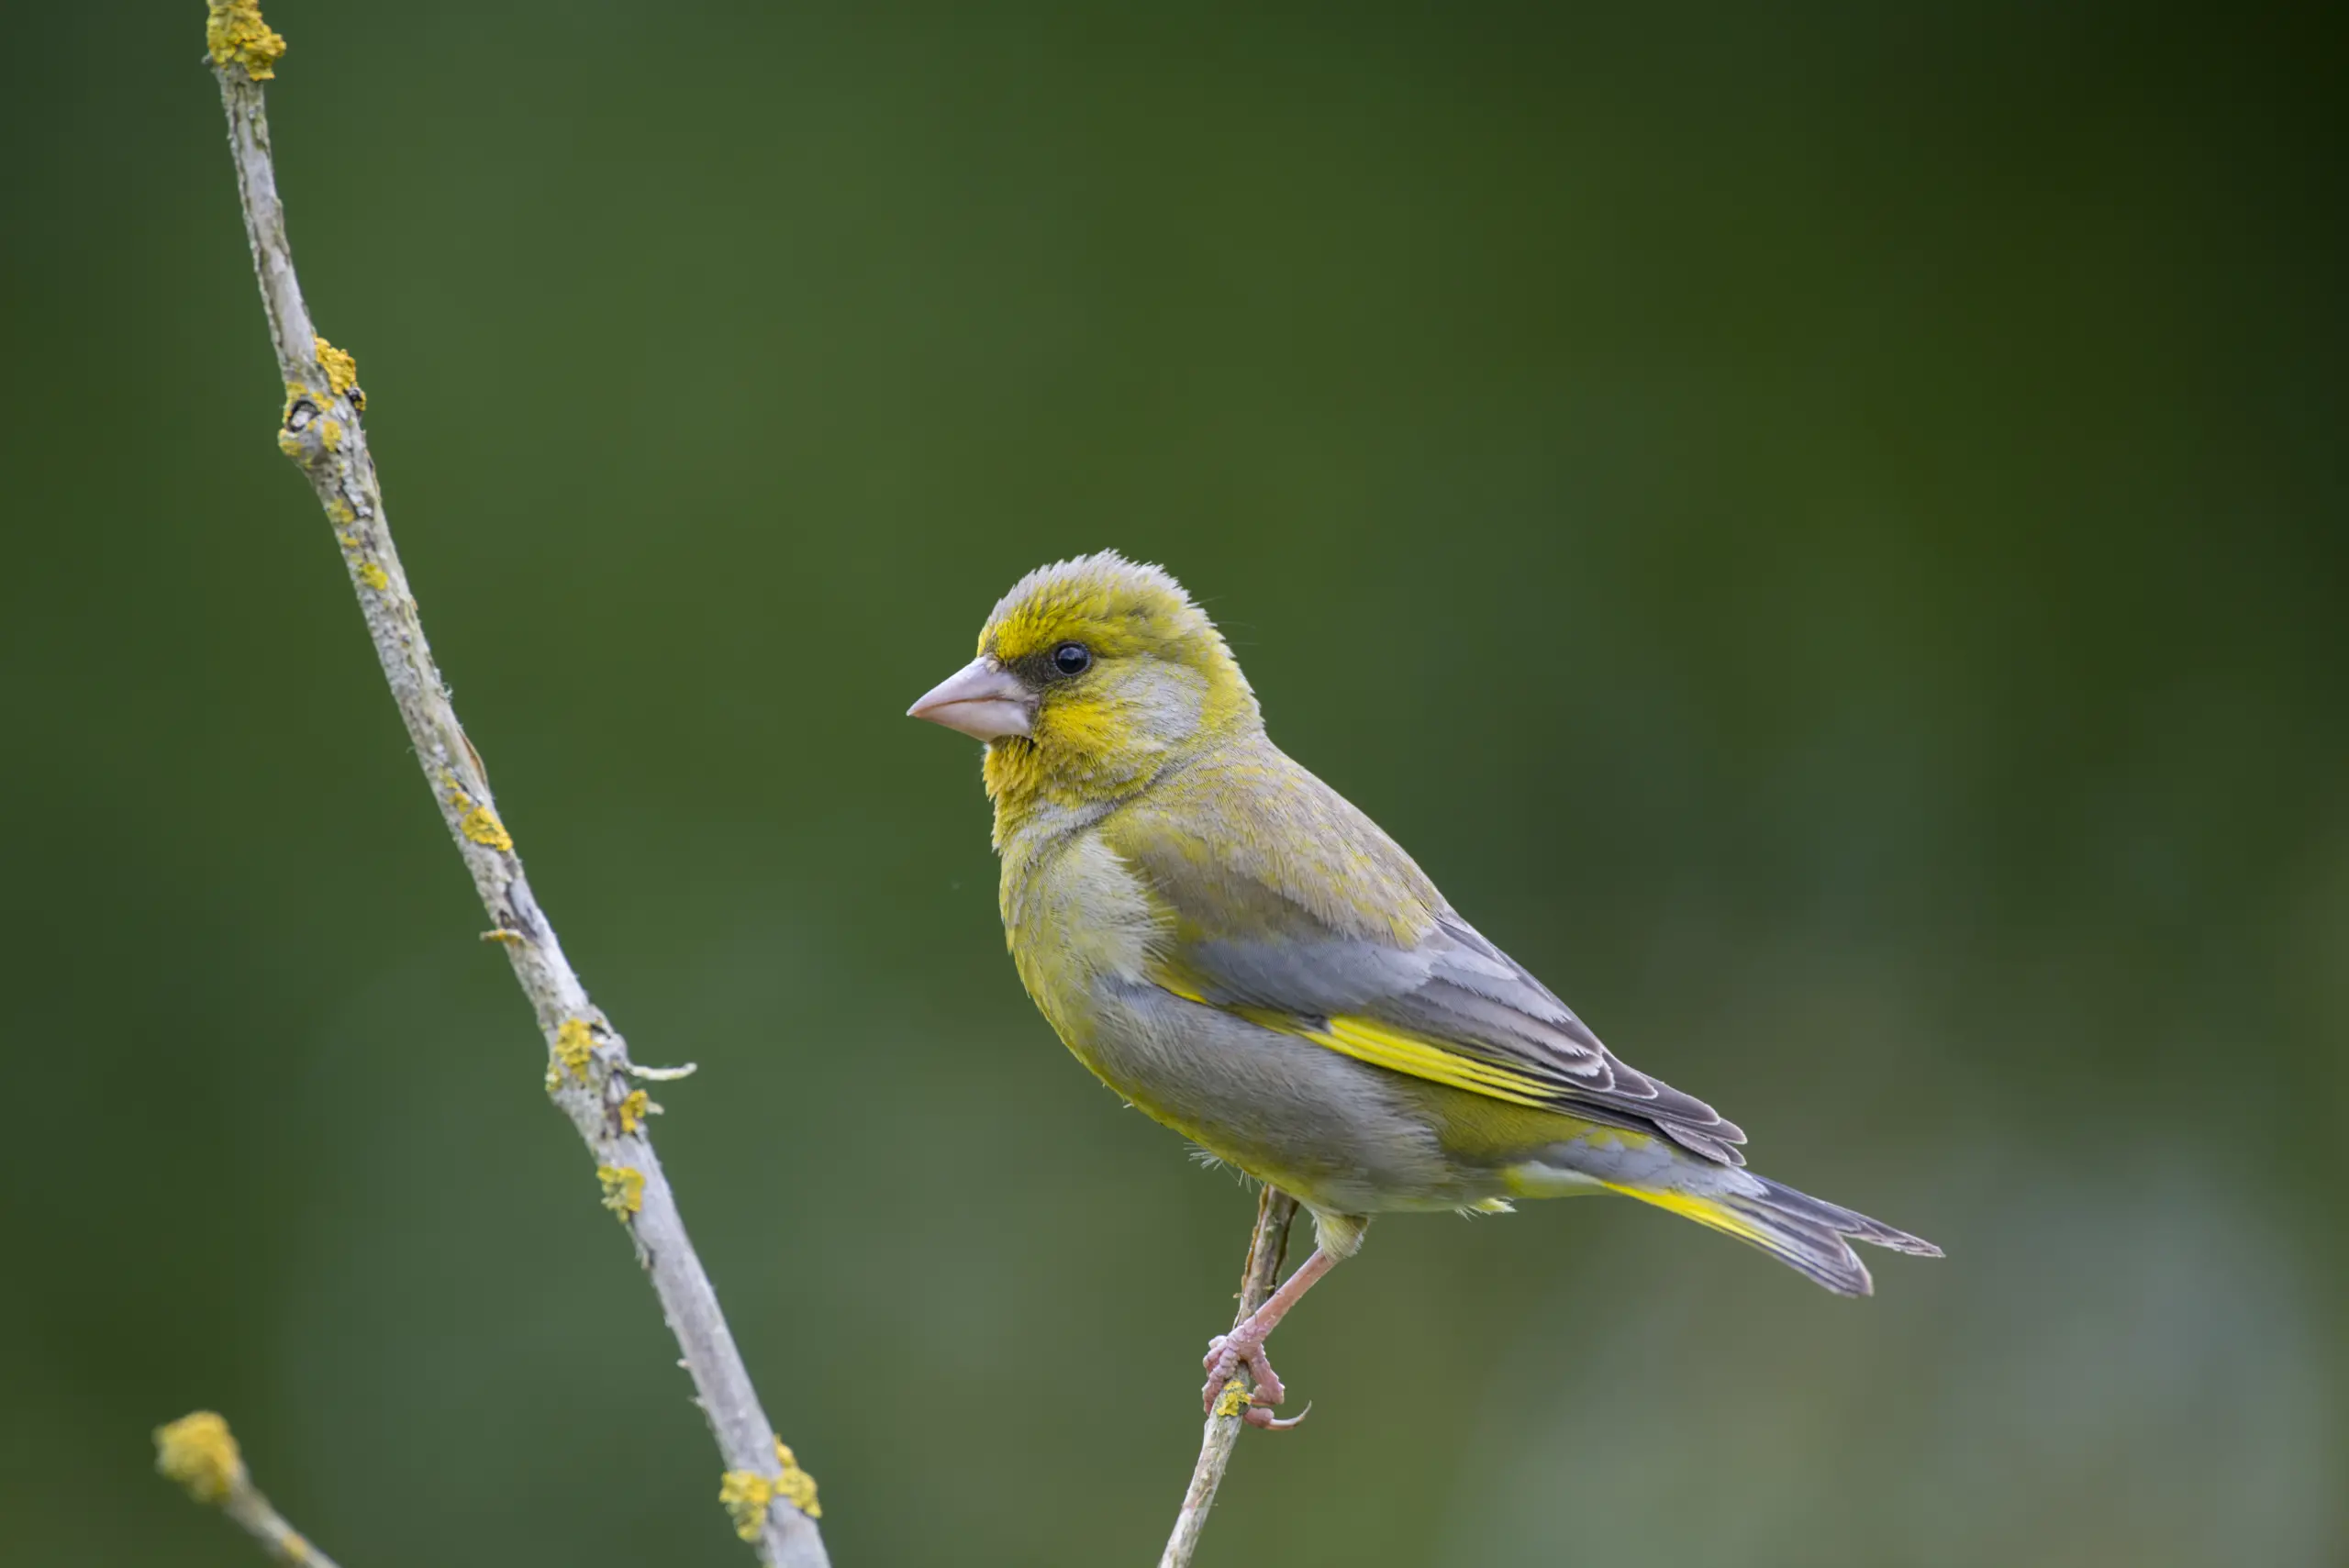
pixel 1227 1354
pixel 1263 1420
pixel 1225 1393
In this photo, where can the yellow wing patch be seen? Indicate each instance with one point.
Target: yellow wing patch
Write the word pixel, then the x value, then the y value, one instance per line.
pixel 1384 1047
pixel 1407 1054
pixel 1381 1045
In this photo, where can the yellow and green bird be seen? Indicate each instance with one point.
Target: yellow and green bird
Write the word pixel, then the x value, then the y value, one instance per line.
pixel 1231 946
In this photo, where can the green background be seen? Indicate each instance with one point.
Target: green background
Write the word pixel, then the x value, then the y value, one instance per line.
pixel 1823 526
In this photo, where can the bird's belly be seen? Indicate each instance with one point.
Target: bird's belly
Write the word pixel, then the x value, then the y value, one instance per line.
pixel 1340 1135
pixel 1343 1137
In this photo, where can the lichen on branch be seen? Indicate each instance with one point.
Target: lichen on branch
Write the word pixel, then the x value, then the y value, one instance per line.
pixel 588 1068
pixel 745 1495
pixel 237 36
pixel 199 1452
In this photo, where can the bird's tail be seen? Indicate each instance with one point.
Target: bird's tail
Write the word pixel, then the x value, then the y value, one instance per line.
pixel 1803 1232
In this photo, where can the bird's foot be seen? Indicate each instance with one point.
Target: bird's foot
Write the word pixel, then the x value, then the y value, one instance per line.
pixel 1227 1394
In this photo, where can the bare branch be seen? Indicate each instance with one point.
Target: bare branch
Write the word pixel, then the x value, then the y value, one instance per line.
pixel 771 1498
pixel 1266 1246
pixel 198 1452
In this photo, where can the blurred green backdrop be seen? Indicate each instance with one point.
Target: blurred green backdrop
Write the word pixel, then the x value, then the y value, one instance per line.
pixel 1823 525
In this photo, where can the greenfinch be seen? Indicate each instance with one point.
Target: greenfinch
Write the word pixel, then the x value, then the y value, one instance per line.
pixel 1237 950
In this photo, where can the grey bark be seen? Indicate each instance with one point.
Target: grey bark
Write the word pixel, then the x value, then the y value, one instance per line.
pixel 588 1063
pixel 1266 1245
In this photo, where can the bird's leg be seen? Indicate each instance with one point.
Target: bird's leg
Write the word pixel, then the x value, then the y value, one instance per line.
pixel 1244 1346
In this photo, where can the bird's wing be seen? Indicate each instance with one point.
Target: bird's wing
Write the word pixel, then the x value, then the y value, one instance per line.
pixel 1286 905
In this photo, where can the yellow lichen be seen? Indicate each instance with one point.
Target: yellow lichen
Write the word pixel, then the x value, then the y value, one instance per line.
pixel 573 1047
pixel 1233 1399
pixel 745 1497
pixel 330 434
pixel 635 1109
pixel 340 510
pixel 375 577
pixel 343 371
pixel 289 437
pixel 482 826
pixel 198 1452
pixel 623 1189
pixel 237 36
pixel 795 1485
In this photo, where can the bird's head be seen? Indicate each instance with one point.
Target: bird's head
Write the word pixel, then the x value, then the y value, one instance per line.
pixel 1092 674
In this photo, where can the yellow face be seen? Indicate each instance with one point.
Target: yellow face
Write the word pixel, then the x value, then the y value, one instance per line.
pixel 1090 674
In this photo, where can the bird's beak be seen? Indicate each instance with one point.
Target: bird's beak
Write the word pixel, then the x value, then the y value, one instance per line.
pixel 981 700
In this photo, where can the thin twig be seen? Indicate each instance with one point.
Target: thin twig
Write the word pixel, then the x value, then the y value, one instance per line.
pixel 198 1452
pixel 771 1498
pixel 1266 1246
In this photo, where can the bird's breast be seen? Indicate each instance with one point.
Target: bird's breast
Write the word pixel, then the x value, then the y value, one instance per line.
pixel 1074 914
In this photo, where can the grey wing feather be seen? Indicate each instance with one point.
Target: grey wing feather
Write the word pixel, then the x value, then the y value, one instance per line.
pixel 1476 995
pixel 1454 986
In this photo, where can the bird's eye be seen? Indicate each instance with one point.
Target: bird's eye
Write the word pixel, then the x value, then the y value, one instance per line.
pixel 1071 659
